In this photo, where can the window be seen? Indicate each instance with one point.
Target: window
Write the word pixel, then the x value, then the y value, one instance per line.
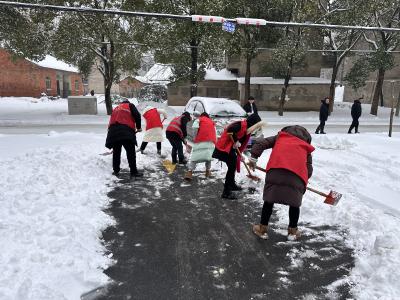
pixel 77 85
pixel 48 83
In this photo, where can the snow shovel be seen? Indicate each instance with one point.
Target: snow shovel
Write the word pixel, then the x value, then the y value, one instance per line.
pixel 332 198
pixel 249 175
pixel 169 166
pixel 106 153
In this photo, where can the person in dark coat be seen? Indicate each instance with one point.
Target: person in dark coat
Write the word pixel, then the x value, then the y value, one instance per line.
pixel 125 121
pixel 288 170
pixel 356 111
pixel 250 107
pixel 225 149
pixel 323 115
pixel 176 134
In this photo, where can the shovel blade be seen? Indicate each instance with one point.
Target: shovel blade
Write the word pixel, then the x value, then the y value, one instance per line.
pixel 253 177
pixel 333 198
pixel 169 166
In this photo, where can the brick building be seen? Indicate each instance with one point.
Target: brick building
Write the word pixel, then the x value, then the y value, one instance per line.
pixel 24 78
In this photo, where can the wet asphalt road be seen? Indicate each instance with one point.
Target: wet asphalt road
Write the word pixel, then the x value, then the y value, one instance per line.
pixel 175 240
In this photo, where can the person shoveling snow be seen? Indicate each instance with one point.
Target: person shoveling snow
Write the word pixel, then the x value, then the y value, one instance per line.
pixel 288 170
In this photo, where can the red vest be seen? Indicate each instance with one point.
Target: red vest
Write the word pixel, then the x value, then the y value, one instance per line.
pixel 153 119
pixel 290 153
pixel 225 142
pixel 122 115
pixel 206 131
pixel 175 126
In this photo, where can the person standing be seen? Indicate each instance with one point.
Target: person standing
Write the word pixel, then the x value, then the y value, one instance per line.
pixel 250 107
pixel 288 170
pixel 154 127
pixel 323 115
pixel 235 137
pixel 356 111
pixel 204 144
pixel 125 121
pixel 176 134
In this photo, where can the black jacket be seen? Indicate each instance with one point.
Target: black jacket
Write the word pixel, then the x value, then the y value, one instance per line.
pixel 247 108
pixel 356 109
pixel 323 111
pixel 118 133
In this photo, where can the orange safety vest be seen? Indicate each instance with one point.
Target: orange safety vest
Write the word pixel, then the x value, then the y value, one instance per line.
pixel 206 131
pixel 225 142
pixel 290 153
pixel 175 126
pixel 122 115
pixel 153 119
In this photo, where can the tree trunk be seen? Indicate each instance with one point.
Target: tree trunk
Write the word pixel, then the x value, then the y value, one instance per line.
pixel 107 94
pixel 377 92
pixel 398 105
pixel 247 77
pixel 193 71
pixel 283 94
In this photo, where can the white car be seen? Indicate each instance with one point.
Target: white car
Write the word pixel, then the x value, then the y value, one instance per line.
pixel 222 111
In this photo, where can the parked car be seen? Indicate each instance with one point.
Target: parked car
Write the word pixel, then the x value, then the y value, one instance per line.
pixel 223 111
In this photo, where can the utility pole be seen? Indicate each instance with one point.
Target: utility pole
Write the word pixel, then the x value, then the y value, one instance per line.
pixel 391 111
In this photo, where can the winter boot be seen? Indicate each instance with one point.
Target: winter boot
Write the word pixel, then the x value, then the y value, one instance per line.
pixel 116 174
pixel 188 175
pixel 136 174
pixel 260 231
pixel 228 195
pixel 208 173
pixel 236 187
pixel 182 162
pixel 293 234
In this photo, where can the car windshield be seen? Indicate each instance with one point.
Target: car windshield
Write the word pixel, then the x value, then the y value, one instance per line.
pixel 226 109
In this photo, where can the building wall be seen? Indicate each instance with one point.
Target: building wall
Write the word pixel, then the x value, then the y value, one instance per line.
pixel 179 94
pixel 96 82
pixel 302 97
pixel 258 65
pixel 130 87
pixel 21 78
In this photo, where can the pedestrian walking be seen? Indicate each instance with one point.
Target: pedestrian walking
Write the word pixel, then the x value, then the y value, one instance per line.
pixel 203 144
pixel 250 107
pixel 154 127
pixel 125 121
pixel 235 136
pixel 356 111
pixel 288 170
pixel 176 134
pixel 323 115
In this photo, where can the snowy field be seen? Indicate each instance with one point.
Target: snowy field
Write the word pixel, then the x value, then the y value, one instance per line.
pixel 54 186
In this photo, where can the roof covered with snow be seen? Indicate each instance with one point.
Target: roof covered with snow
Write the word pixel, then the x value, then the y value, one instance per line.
pixel 53 63
pixel 224 74
pixel 294 80
pixel 159 73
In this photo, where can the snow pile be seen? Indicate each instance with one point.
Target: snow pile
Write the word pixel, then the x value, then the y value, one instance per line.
pixel 51 218
pixel 364 168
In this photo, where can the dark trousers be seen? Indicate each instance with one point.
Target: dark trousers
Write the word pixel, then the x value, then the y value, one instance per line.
pixel 177 146
pixel 144 145
pixel 129 147
pixel 230 174
pixel 294 214
pixel 354 124
pixel 320 127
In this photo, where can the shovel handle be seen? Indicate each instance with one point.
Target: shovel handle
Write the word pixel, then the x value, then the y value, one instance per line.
pixel 308 188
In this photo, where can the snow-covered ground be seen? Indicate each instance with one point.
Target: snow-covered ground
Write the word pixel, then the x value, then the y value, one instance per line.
pixel 54 186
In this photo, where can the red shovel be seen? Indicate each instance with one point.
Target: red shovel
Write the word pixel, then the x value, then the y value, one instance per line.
pixel 332 198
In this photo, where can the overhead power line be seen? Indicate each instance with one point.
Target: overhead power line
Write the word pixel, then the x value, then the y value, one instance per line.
pixel 194 18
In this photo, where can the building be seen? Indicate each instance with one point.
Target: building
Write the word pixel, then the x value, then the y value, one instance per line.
pixel 305 90
pixel 21 77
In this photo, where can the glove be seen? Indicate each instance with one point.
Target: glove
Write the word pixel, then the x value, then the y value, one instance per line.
pixel 236 145
pixel 252 163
